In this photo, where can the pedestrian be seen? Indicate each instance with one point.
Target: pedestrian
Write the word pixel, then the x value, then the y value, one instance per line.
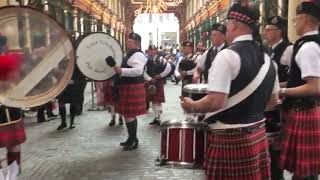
pixel 238 147
pixel 156 71
pixel 11 121
pixel 301 142
pixel 105 98
pixel 130 83
pixel 218 41
pixel 73 95
pixel 275 34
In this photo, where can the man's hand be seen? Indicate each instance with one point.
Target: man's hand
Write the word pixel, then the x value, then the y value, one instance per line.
pixel 153 80
pixel 183 74
pixel 157 77
pixel 195 78
pixel 187 104
pixel 110 61
pixel 117 69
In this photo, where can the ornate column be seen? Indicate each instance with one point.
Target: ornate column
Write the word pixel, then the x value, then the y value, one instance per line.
pixel 292 35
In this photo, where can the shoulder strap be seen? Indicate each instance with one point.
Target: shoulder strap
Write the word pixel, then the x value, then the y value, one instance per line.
pixel 247 91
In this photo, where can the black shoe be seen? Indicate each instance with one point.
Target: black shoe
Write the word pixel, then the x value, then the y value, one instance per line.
pixel 125 143
pixel 131 146
pixel 112 123
pixel 72 126
pixel 62 126
pixel 41 119
pixel 155 121
pixel 51 116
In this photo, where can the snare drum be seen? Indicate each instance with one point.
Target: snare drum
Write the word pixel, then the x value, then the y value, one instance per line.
pixel 183 144
pixel 196 91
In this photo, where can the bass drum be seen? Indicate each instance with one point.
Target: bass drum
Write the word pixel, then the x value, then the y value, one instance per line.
pixel 36 57
pixel 92 50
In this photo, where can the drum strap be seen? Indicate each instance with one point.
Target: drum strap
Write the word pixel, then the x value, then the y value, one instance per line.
pixel 245 92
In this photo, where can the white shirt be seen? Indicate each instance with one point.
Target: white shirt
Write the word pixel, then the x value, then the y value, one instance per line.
pixel 286 57
pixel 137 61
pixel 202 59
pixel 190 72
pixel 226 67
pixel 308 58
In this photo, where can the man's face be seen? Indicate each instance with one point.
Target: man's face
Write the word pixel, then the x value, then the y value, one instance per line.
pixel 217 38
pixel 271 34
pixel 186 50
pixel 131 44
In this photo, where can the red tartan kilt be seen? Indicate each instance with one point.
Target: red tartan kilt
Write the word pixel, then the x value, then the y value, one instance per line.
pixel 132 100
pixel 104 93
pixel 159 96
pixel 241 156
pixel 12 134
pixel 301 142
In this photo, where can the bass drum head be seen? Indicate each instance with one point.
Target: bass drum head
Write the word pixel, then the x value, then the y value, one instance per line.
pixel 36 57
pixel 92 51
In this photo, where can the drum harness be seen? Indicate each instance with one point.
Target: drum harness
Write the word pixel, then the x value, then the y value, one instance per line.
pixel 237 98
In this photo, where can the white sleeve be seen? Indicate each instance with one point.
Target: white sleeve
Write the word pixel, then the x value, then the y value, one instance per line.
pixel 166 70
pixel 276 84
pixel 287 56
pixel 224 69
pixel 137 61
pixel 202 60
pixel 308 60
pixel 146 75
pixel 176 71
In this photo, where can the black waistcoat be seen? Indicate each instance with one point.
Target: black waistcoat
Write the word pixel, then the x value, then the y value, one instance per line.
pixel 155 66
pixel 278 52
pixel 252 108
pixel 209 59
pixel 187 63
pixel 129 80
pixel 295 80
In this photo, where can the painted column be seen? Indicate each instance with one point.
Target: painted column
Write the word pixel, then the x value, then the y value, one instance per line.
pixel 292 35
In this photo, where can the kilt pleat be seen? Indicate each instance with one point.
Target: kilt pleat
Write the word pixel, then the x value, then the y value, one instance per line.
pixel 132 100
pixel 238 156
pixel 104 93
pixel 12 134
pixel 159 96
pixel 301 142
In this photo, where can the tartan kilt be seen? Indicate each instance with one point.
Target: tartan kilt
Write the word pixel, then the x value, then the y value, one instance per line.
pixel 237 156
pixel 159 96
pixel 132 100
pixel 12 134
pixel 301 142
pixel 104 93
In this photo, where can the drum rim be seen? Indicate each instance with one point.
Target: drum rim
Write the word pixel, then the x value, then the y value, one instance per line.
pixel 196 91
pixel 78 42
pixel 49 95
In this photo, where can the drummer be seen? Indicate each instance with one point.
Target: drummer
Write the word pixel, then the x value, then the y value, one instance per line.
pixel 187 65
pixel 156 70
pixel 238 146
pixel 132 97
pixel 275 33
pixel 11 128
pixel 218 40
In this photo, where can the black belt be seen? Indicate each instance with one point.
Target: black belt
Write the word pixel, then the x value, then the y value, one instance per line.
pixel 247 129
